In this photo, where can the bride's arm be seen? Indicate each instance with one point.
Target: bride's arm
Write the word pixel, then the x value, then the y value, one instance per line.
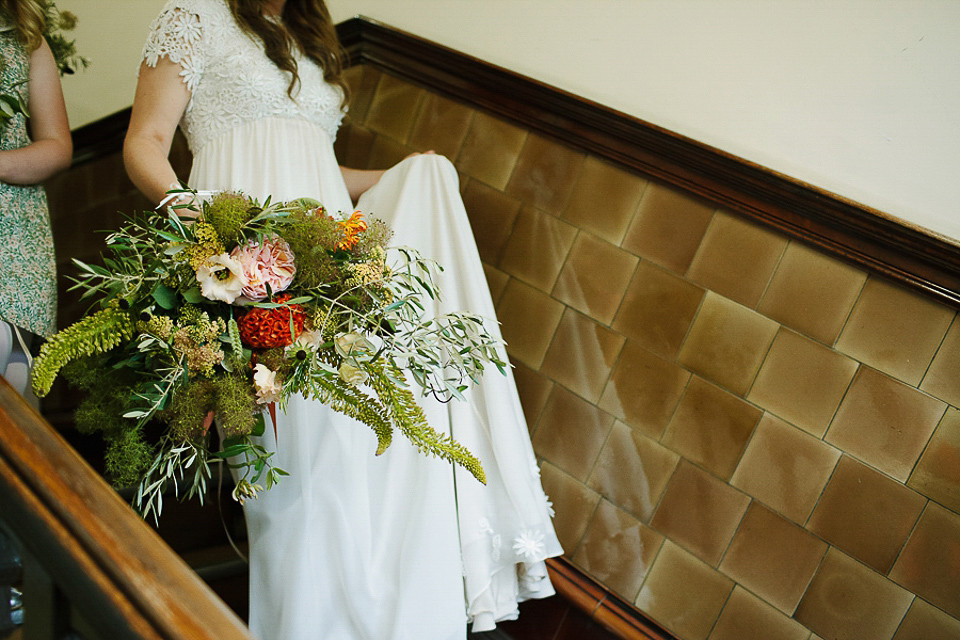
pixel 160 101
pixel 359 180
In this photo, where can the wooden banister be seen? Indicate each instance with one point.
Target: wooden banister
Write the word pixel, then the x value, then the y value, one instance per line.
pixel 116 573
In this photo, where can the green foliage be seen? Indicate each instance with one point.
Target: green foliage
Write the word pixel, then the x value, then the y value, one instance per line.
pixel 64 51
pixel 236 404
pixel 313 239
pixel 228 212
pixel 351 401
pixel 189 408
pixel 128 455
pixel 95 334
pixel 109 393
pixel 409 418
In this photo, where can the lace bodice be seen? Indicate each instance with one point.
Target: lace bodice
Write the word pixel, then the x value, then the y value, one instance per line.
pixel 230 78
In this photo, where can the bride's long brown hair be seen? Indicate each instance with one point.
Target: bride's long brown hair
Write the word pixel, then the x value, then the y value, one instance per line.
pixel 28 18
pixel 307 25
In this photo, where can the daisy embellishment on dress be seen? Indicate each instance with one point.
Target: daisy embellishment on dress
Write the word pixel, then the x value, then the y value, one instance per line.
pixel 529 545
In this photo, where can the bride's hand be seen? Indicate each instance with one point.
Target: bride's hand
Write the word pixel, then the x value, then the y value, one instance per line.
pixel 431 152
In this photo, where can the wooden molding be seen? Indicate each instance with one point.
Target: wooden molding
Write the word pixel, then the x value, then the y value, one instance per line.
pixel 606 609
pixel 839 227
pixel 116 572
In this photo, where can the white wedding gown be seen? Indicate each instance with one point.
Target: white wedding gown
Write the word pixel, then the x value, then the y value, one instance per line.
pixel 351 546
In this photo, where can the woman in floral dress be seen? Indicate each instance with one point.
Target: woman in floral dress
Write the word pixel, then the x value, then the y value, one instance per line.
pixel 31 150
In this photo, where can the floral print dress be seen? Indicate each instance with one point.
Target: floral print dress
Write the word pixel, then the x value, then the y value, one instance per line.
pixel 28 286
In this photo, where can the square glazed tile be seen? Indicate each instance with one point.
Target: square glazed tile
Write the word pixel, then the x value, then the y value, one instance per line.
pixel 644 390
pixel 658 309
pixel 534 390
pixel 941 380
pixel 595 277
pixel 802 381
pixel 573 503
pixel 812 293
pixel 866 514
pixel 394 107
pixel 925 622
pixel 537 248
pixel 386 152
pixel 492 217
pixel 699 512
pixel 895 330
pixel 633 471
pixel 683 594
pixel 362 81
pixel 736 258
pixel 937 475
pixel 582 355
pixel 604 200
pixel 773 558
pixel 496 281
pixel 885 423
pixel 353 145
pixel 440 126
pixel 571 433
pixel 490 150
pixel 930 563
pixel 617 550
pixel 747 616
pixel 711 427
pixel 545 174
pixel 785 468
pixel 668 227
pixel 528 320
pixel 846 600
pixel 727 343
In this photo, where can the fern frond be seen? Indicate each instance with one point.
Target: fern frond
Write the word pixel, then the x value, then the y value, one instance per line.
pixel 409 417
pixel 351 401
pixel 93 335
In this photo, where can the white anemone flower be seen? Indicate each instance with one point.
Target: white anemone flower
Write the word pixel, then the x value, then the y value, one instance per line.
pixel 265 380
pixel 221 278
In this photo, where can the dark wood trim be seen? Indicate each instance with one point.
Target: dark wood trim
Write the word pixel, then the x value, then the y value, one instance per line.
pixel 866 237
pixel 100 138
pixel 114 570
pixel 605 608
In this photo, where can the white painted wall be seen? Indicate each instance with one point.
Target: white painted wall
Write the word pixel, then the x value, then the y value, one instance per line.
pixel 858 97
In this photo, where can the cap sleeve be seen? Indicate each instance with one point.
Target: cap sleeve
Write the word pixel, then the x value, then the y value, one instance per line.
pixel 177 34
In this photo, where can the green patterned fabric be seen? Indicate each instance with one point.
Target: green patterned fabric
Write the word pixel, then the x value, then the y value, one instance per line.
pixel 28 280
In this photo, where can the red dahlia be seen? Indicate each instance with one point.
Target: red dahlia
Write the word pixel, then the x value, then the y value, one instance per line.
pixel 270 328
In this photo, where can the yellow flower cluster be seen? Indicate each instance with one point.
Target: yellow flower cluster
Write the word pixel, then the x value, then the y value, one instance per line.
pixel 208 245
pixel 159 326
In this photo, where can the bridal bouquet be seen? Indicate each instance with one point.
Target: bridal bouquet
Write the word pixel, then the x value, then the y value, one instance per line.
pixel 214 320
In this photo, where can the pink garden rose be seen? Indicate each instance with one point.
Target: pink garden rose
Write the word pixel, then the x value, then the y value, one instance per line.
pixel 270 262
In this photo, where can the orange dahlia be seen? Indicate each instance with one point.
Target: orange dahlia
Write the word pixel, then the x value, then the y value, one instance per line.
pixel 270 328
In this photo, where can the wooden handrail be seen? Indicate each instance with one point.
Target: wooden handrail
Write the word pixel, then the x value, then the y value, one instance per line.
pixel 114 570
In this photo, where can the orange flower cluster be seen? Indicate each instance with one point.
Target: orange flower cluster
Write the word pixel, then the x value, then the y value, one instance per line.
pixel 352 228
pixel 270 328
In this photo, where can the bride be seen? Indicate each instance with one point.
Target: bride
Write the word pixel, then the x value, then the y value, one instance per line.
pixel 349 546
